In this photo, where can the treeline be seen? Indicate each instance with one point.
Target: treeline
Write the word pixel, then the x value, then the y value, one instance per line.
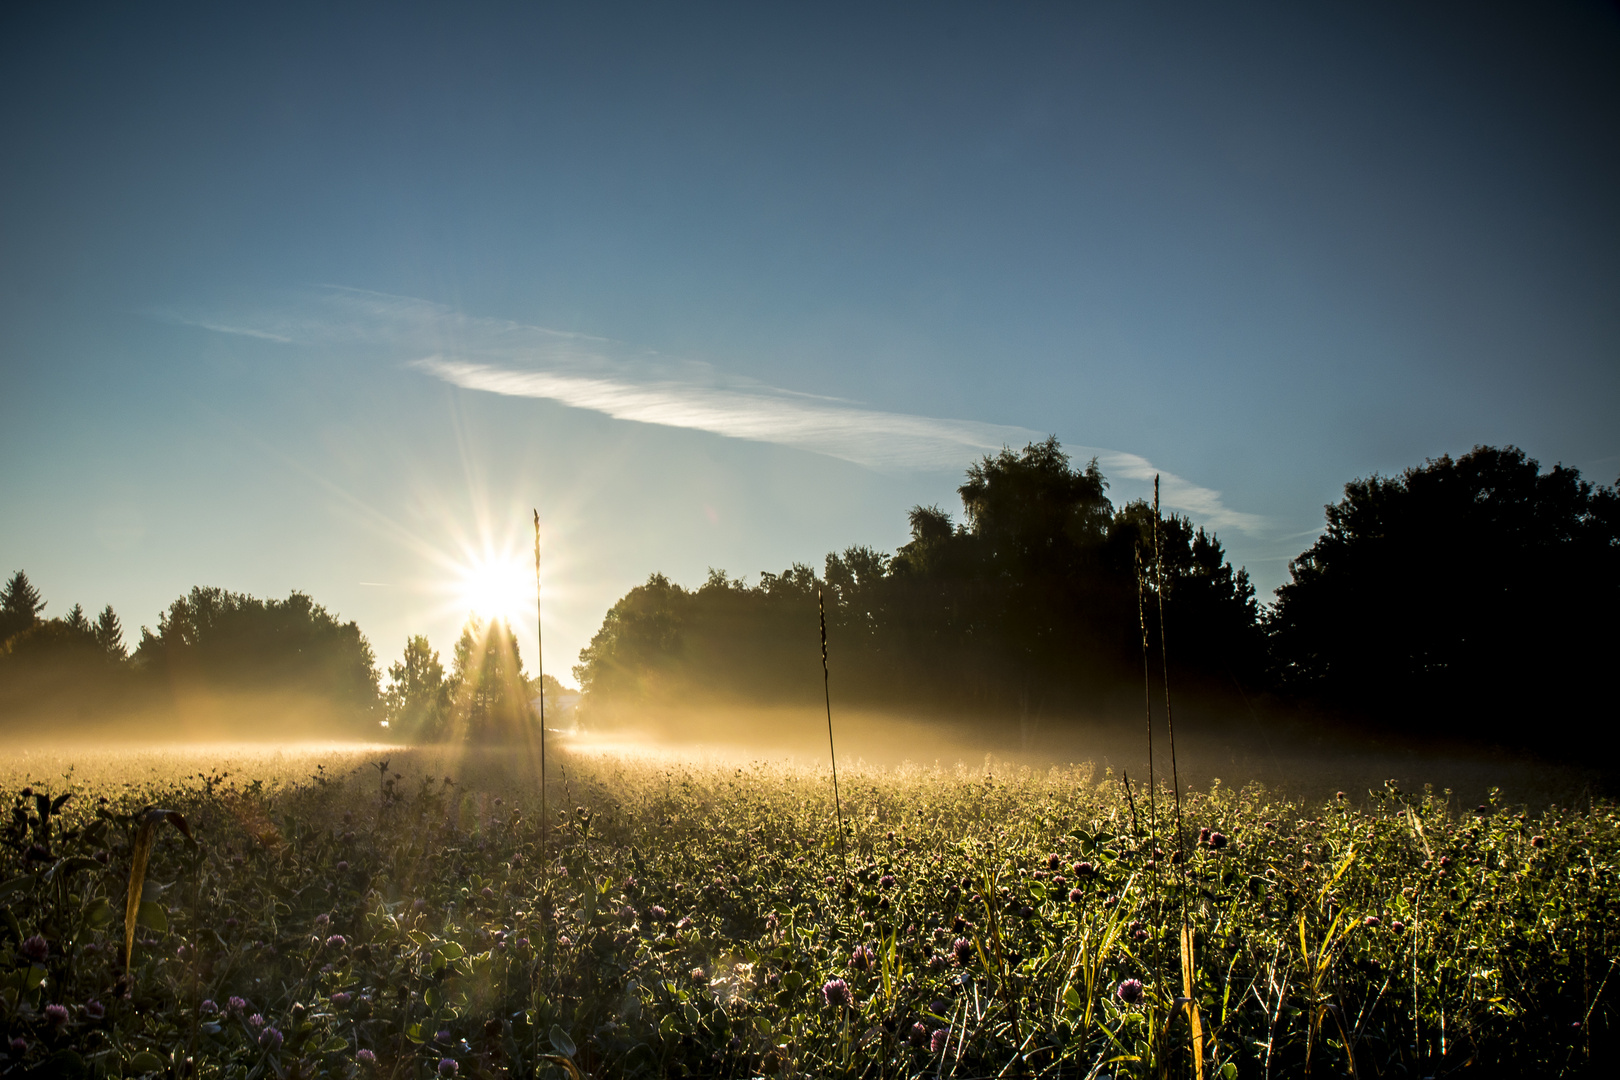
pixel 233 663
pixel 1473 596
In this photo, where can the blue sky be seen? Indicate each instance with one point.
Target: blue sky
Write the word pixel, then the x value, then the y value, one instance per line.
pixel 327 297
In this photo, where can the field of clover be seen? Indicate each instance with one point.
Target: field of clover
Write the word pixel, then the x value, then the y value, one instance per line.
pixel 385 920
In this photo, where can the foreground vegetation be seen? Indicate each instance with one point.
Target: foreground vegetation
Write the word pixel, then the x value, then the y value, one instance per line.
pixel 382 919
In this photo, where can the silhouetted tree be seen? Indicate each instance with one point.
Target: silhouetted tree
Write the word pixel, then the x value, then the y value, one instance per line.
pixel 20 606
pixel 488 690
pixel 220 640
pixel 1026 608
pixel 639 641
pixel 109 633
pixel 1474 595
pixel 417 700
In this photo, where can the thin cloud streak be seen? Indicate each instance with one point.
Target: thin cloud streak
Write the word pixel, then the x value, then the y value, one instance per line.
pixel 514 359
pixel 878 440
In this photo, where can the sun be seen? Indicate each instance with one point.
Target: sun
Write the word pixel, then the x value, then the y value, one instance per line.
pixel 496 587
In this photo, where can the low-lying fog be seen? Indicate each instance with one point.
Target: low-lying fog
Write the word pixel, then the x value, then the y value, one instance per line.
pixel 1298 759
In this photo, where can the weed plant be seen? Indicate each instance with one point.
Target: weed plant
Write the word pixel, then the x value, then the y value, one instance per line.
pixel 696 920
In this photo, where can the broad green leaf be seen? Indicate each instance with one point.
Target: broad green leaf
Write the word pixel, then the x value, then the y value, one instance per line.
pixel 334 1044
pixel 152 916
pixel 100 913
pixel 144 1062
pixel 450 950
pixel 560 1041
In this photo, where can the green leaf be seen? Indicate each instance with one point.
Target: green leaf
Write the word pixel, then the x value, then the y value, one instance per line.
pixel 1229 1071
pixel 99 913
pixel 144 1062
pixel 72 866
pixel 414 1033
pixel 1071 998
pixel 334 1044
pixel 561 1042
pixel 666 1027
pixel 449 951
pixel 763 1026
pixel 152 916
pixel 432 998
pixel 16 884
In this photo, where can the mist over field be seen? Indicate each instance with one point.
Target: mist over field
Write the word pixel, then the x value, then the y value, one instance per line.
pixel 939 541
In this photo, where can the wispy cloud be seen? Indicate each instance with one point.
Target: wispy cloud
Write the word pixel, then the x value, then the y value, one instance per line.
pixel 519 360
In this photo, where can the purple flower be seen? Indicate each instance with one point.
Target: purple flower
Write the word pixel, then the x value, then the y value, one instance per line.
pixel 56 1014
pixel 938 1041
pixel 1075 896
pixel 919 1035
pixel 1372 922
pixel 699 975
pixel 523 943
pixel 1217 840
pixel 207 1008
pixel 1130 991
pixel 861 959
pixel 236 1005
pixel 36 949
pixel 448 1067
pixel 564 940
pixel 836 994
pixel 962 949
pixel 1538 841
pixel 365 1057
pixel 94 1009
pixel 656 913
pixel 443 1035
pixel 19 1046
pixel 488 893
pixel 322 919
pixel 270 1039
pixel 340 998
pixel 256 1021
pixel 343 866
pixel 418 904
pixel 886 881
pixel 336 941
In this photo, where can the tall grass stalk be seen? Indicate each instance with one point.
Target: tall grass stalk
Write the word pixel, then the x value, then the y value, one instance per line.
pixel 1188 965
pixel 832 753
pixel 540 668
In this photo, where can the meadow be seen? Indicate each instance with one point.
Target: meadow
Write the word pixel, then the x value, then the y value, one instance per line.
pixel 374 912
